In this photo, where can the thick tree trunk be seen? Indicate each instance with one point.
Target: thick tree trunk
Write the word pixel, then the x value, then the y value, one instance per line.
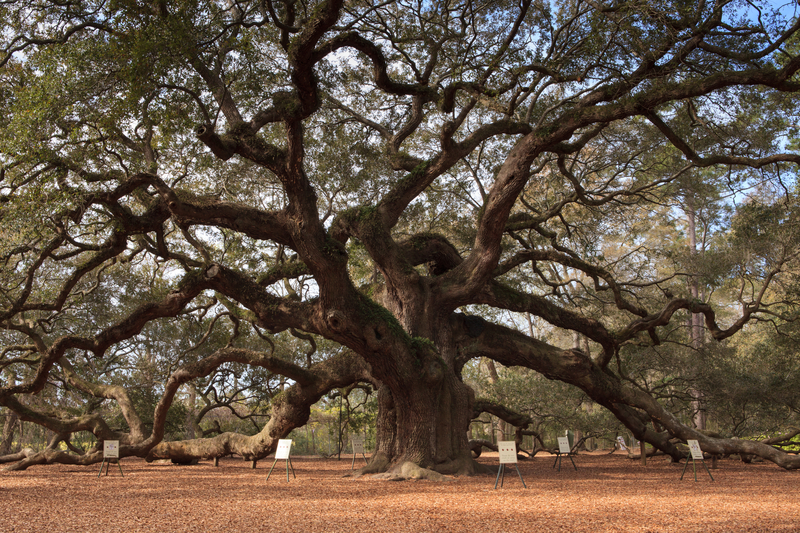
pixel 422 430
pixel 424 416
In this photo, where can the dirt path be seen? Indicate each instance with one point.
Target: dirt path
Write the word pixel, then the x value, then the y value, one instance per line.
pixel 607 493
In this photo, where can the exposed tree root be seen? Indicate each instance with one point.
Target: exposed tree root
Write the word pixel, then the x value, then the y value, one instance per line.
pixel 19 456
pixel 380 467
pixel 464 466
pixel 411 471
pixel 49 456
pixel 378 464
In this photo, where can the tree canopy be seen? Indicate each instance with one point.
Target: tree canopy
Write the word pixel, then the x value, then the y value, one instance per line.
pixel 284 198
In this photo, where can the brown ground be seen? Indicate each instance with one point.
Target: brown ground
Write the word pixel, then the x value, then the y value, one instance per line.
pixel 607 493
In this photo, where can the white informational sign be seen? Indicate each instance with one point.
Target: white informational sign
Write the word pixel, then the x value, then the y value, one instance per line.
pixel 358 444
pixel 694 447
pixel 110 449
pixel 563 445
pixel 508 451
pixel 284 446
pixel 621 443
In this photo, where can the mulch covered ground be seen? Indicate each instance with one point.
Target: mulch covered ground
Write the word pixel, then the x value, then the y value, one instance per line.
pixel 607 493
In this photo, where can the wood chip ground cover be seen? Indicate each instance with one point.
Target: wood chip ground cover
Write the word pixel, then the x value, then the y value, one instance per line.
pixel 608 493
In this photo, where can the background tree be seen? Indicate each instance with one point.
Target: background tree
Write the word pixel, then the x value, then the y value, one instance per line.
pixel 375 175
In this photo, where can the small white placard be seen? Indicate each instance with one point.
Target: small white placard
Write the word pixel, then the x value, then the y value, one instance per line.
pixel 563 444
pixel 358 445
pixel 110 449
pixel 508 451
pixel 621 443
pixel 284 446
pixel 694 447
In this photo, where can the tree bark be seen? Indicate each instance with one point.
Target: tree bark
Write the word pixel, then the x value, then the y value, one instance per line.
pixel 9 428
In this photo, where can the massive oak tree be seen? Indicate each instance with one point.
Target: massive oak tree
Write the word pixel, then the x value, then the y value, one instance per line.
pixel 384 176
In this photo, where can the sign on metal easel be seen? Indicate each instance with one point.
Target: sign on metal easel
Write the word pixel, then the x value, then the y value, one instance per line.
pixel 695 453
pixel 284 447
pixel 563 449
pixel 508 455
pixel 110 455
pixel 358 447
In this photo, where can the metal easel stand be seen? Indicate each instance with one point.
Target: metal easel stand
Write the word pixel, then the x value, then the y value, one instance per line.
pixel 288 464
pixel 353 465
pixel 503 471
pixel 694 467
pixel 558 460
pixel 107 463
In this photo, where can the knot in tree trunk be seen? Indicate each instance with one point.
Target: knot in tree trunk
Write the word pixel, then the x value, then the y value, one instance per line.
pixel 336 320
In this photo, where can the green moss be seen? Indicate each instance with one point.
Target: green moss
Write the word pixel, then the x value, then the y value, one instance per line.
pixel 376 313
pixel 366 218
pixel 334 248
pixel 422 346
pixel 420 169
pixel 278 399
pixel 410 179
pixel 414 175
pixel 240 129
pixel 510 295
pixel 200 200
pixel 546 131
pixel 293 269
pixel 420 240
pixel 190 278
pixel 368 290
pixel 244 133
pixel 287 103
pixel 235 310
pixel 360 214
